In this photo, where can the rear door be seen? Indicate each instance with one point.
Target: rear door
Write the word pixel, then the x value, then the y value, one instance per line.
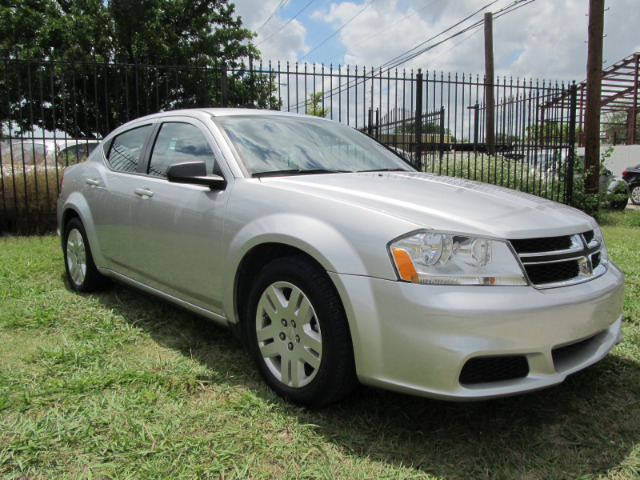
pixel 109 191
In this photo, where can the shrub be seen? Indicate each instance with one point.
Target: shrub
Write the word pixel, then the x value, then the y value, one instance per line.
pixel 29 197
pixel 501 171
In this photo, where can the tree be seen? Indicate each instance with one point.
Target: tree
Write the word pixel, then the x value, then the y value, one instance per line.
pixel 614 126
pixel 549 132
pixel 116 59
pixel 314 105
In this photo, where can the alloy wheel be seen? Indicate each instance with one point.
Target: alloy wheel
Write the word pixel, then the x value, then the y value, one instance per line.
pixel 288 334
pixel 76 257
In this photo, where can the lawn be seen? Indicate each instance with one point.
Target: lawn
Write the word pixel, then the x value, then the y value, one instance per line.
pixel 117 385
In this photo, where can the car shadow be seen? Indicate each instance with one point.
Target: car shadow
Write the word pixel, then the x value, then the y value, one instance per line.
pixel 587 426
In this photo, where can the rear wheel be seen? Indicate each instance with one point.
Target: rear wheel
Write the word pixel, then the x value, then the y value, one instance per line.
pixel 82 273
pixel 635 194
pixel 298 333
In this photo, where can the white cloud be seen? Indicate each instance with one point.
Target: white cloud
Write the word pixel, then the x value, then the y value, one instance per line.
pixel 286 45
pixel 545 39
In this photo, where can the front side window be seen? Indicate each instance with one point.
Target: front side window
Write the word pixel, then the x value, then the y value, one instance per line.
pixel 177 143
pixel 126 149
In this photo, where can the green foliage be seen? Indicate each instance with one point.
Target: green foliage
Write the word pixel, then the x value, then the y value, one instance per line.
pixel 32 190
pixel 118 385
pixel 314 105
pixel 589 203
pixel 549 132
pixel 614 126
pixel 113 55
pixel 504 172
pixel 537 180
pixel 593 203
pixel 154 32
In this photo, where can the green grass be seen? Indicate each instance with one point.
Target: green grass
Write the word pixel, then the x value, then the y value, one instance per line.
pixel 117 385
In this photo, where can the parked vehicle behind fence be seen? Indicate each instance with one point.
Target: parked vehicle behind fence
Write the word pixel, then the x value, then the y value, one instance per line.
pixel 336 262
pixel 631 175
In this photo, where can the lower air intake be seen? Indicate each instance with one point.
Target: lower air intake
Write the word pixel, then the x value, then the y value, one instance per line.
pixel 494 369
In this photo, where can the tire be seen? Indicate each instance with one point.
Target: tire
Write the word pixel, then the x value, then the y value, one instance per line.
pixel 620 205
pixel 81 270
pixel 298 335
pixel 635 194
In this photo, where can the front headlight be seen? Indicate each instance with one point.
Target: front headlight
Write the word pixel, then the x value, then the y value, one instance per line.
pixel 450 259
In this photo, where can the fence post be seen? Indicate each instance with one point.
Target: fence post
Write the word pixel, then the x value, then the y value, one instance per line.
pixel 441 148
pixel 223 85
pixel 418 120
pixel 568 194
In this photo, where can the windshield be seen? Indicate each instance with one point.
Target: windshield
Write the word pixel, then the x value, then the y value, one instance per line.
pixel 283 145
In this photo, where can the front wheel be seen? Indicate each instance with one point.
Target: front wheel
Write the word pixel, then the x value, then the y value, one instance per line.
pixel 298 333
pixel 635 194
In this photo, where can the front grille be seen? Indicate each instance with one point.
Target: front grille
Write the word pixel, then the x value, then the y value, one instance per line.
pixel 535 245
pixel 559 261
pixel 494 369
pixel 588 236
pixel 553 272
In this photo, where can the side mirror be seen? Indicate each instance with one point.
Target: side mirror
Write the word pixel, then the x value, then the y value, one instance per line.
pixel 195 173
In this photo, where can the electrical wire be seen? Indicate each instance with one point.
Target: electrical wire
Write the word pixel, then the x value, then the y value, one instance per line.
pixel 286 23
pixel 280 5
pixel 412 53
pixel 338 30
pixel 409 54
pixel 383 30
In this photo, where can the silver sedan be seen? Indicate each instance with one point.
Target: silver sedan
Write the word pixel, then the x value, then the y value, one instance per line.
pixel 336 262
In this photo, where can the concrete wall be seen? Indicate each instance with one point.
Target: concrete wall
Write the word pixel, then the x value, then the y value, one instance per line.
pixel 623 156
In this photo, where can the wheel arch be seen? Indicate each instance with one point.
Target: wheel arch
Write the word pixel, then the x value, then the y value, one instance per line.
pixel 76 207
pixel 251 264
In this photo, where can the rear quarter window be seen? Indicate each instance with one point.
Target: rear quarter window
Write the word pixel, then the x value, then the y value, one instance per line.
pixel 126 149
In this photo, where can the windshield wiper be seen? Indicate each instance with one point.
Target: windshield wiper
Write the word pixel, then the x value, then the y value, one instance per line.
pixel 297 171
pixel 384 170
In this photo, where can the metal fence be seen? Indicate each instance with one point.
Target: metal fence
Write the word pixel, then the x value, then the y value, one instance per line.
pixel 53 113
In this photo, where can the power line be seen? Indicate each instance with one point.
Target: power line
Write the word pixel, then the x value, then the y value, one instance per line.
pixel 403 58
pixel 383 30
pixel 287 23
pixel 412 53
pixel 280 5
pixel 408 55
pixel 337 31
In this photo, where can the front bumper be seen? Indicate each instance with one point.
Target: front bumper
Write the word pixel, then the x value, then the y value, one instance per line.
pixel 418 338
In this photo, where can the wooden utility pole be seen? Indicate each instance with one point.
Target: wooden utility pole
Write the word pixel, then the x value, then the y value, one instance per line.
pixel 594 93
pixel 489 80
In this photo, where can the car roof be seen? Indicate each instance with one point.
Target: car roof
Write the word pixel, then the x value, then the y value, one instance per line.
pixel 220 112
pixel 205 114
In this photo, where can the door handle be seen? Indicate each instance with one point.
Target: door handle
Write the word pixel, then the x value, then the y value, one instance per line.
pixel 93 182
pixel 143 192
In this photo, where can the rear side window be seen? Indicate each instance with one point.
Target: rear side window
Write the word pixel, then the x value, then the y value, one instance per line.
pixel 177 143
pixel 126 149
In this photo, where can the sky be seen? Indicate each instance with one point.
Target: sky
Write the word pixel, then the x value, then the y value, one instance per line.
pixel 539 39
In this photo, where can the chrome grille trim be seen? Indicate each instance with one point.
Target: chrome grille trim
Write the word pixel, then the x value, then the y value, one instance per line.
pixel 581 262
pixel 576 246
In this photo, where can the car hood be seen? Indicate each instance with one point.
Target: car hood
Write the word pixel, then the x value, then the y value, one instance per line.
pixel 444 203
